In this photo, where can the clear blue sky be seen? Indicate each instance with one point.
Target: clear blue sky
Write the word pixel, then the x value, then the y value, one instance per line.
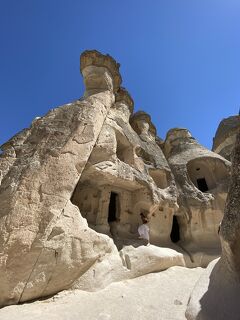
pixel 180 59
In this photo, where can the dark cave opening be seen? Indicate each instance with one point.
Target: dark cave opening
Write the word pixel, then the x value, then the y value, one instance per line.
pixel 202 184
pixel 175 233
pixel 112 209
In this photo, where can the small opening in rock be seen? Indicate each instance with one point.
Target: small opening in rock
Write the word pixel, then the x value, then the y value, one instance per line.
pixel 124 150
pixel 121 151
pixel 146 157
pixel 175 233
pixel 160 177
pixel 202 184
pixel 112 209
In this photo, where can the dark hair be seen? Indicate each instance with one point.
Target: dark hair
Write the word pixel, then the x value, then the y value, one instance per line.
pixel 144 218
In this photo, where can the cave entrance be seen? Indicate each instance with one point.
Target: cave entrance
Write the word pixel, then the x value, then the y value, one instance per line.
pixel 175 233
pixel 113 206
pixel 202 184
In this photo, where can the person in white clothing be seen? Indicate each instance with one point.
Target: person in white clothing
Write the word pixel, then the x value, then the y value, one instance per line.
pixel 143 229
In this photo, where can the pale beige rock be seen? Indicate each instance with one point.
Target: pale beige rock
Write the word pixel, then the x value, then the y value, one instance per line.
pixel 136 260
pixel 128 168
pixel 156 296
pixel 93 165
pixel 225 137
pixel 146 259
pixel 99 71
pixel 45 244
pixel 216 295
pixel 202 178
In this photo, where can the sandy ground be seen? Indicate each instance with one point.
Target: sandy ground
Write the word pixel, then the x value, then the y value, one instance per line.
pixel 156 296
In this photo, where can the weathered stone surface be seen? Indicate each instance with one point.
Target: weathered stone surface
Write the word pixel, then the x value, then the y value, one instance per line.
pixel 202 180
pixel 127 163
pixel 216 296
pixel 92 165
pixel 225 137
pixel 132 261
pixel 156 296
pixel 45 244
pixel 99 71
pixel 146 259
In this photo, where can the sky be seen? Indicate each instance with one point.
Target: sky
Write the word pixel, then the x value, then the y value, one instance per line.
pixel 180 59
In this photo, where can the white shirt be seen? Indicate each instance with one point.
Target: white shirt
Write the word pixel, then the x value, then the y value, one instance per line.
pixel 143 231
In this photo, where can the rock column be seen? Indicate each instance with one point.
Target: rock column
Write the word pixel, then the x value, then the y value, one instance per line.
pixel 216 295
pixel 45 244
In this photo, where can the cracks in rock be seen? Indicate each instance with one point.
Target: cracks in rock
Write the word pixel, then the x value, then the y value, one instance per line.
pixel 187 252
pixel 81 170
pixel 126 261
pixel 37 241
pixel 51 276
pixel 69 152
pixel 41 250
pixel 29 277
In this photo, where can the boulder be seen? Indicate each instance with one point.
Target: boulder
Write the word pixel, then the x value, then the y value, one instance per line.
pixel 146 259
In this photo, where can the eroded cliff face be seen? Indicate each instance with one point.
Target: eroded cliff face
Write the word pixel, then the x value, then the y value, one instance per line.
pixel 45 243
pixel 202 179
pixel 216 295
pixel 225 137
pixel 127 174
pixel 73 186
pixel 230 235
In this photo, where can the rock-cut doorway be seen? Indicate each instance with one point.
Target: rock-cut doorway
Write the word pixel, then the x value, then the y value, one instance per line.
pixel 175 232
pixel 113 207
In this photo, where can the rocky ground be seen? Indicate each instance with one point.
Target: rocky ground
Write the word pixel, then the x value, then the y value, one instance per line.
pixel 157 296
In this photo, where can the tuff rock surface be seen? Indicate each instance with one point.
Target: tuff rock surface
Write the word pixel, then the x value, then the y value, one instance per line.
pixel 202 179
pixel 216 295
pixel 74 183
pixel 155 296
pixel 225 137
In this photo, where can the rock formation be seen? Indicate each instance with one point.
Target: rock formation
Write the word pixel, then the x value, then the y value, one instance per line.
pixel 202 180
pixel 157 295
pixel 126 174
pixel 73 186
pixel 225 136
pixel 216 295
pixel 45 244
